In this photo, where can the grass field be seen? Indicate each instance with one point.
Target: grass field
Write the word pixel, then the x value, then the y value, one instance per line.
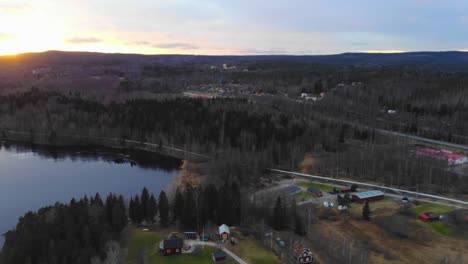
pixel 322 187
pixel 305 196
pixel 435 208
pixel 440 227
pixel 381 207
pixel 148 242
pixel 253 252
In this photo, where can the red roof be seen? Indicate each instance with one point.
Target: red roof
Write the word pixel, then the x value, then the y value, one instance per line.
pixel 440 154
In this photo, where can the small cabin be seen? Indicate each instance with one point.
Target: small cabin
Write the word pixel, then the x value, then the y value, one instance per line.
pixel 219 256
pixel 224 232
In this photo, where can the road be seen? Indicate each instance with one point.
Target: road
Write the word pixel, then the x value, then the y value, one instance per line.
pixel 395 190
pixel 220 246
pixel 426 140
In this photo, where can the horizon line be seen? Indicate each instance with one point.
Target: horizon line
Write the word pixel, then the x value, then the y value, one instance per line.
pixel 386 52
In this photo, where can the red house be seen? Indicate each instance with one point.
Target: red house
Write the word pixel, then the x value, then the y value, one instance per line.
pixel 172 246
pixel 368 196
pixel 219 256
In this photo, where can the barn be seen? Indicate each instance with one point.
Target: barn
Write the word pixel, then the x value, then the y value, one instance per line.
pixel 219 256
pixel 368 196
pixel 172 246
pixel 314 191
pixel 224 232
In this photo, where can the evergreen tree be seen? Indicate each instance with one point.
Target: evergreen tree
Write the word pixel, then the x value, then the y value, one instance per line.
pixel 131 210
pixel 151 209
pixel 210 203
pixel 278 222
pixel 236 204
pixel 144 202
pixel 98 200
pixel 178 206
pixel 366 213
pixel 138 210
pixel 297 220
pixel 189 214
pixel 163 209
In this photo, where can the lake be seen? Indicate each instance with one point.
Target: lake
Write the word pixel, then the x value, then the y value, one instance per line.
pixel 32 177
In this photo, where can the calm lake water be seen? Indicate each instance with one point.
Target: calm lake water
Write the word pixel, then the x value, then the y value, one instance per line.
pixel 31 178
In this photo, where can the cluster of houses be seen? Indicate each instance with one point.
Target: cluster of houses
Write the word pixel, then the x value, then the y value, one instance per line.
pixel 175 245
pixel 451 158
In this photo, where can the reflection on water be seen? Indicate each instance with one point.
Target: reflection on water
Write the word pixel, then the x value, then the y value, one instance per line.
pixel 33 177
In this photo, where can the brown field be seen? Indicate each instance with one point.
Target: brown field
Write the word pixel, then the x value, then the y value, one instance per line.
pixel 387 248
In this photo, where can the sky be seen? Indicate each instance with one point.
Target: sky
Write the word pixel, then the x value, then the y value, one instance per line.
pixel 240 27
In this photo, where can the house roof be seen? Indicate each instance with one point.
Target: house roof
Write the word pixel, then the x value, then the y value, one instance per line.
pixel 292 188
pixel 224 229
pixel 368 194
pixel 313 190
pixel 219 254
pixel 173 243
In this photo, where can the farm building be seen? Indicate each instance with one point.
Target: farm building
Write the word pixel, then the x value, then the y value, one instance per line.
pixel 219 256
pixel 190 235
pixel 368 196
pixel 302 255
pixel 224 232
pixel 292 190
pixel 172 246
pixel 451 158
pixel 314 191
pixel 346 190
pixel 429 217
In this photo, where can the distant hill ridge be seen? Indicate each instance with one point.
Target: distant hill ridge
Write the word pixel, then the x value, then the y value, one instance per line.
pixel 430 59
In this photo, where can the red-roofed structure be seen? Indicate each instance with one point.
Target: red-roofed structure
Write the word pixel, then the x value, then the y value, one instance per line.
pixel 451 158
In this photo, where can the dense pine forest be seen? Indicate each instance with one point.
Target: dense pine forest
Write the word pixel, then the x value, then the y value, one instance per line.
pixel 77 232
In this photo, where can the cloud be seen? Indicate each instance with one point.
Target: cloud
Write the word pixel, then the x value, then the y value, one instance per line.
pixel 14 7
pixel 78 40
pixel 176 45
pixel 5 36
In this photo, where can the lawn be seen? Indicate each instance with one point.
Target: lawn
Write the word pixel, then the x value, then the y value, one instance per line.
pixel 305 196
pixel 322 187
pixel 435 208
pixel 141 241
pixel 382 207
pixel 253 252
pixel 441 228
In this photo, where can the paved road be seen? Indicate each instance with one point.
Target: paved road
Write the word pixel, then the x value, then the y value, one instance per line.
pixel 398 191
pixel 427 140
pixel 220 246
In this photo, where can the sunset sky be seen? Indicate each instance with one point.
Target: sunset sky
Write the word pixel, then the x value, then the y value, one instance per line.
pixel 233 27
